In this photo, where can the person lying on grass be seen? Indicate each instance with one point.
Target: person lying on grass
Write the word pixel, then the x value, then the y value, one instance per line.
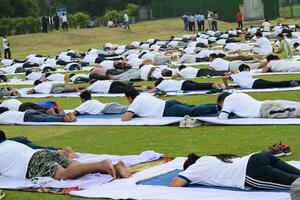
pixel 95 107
pixel 243 105
pixel 245 79
pixel 144 105
pixel 183 85
pixel 258 170
pixel 20 161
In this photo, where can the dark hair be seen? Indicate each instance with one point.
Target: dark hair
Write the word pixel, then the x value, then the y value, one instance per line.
pixel 296 45
pixel 280 35
pixel 27 72
pixel 272 57
pixel 132 93
pixel 3 78
pixel 243 67
pixel 86 95
pixel 192 158
pixel 37 82
pixel 181 67
pixel 71 75
pixel 167 73
pixel 220 98
pixel 3 109
pixel 2 135
pixel 221 55
pixel 47 74
pixel 158 81
pixel 213 55
pixel 258 33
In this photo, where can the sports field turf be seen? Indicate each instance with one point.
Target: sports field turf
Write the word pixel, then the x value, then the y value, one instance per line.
pixel 169 140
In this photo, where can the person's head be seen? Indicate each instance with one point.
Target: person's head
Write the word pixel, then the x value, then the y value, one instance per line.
pixel 258 34
pixel 131 94
pixel 63 14
pixel 27 72
pixel 37 82
pixel 192 158
pixel 272 57
pixel 158 81
pixel 166 72
pixel 244 67
pixel 212 56
pixel 296 45
pixel 289 35
pixel 3 78
pixel 71 75
pixel 85 95
pixel 220 100
pixel 280 37
pixel 3 109
pixel 47 74
pixel 2 135
pixel 181 67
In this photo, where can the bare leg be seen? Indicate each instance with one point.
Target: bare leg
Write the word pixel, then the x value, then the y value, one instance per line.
pixel 76 170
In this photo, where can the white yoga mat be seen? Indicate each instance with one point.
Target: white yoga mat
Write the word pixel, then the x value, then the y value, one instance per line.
pixel 22 82
pixel 191 64
pixel 85 181
pixel 128 189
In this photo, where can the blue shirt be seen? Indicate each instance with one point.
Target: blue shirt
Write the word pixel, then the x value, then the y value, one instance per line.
pixel 201 18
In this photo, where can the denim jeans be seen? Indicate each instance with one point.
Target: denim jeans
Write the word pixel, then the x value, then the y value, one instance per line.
pixel 36 116
pixel 174 108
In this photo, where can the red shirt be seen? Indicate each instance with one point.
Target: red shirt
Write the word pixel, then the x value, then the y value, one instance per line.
pixel 239 16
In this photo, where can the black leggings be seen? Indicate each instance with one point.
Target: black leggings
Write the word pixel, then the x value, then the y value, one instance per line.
pixel 192 86
pixel 209 72
pixel 97 77
pixel 260 84
pixel 31 106
pixel 266 171
pixel 118 87
pixel 30 65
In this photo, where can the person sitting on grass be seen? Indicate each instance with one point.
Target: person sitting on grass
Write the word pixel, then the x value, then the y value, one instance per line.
pixel 243 105
pixel 144 105
pixel 258 170
pixel 245 79
pixel 20 161
pixel 50 88
pixel 16 117
pixel 94 107
pixel 184 85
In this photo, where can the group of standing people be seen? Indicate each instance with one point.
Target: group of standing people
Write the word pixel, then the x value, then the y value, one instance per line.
pixel 48 23
pixel 190 21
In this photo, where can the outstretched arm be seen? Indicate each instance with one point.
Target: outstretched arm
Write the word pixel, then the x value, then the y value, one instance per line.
pixel 127 116
pixel 178 182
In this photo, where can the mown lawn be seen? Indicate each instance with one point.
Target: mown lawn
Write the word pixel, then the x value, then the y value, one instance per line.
pixel 169 140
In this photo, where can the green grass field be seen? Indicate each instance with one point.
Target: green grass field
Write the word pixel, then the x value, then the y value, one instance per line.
pixel 169 140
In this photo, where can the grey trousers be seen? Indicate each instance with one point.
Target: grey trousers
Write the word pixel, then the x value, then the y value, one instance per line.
pixel 272 109
pixel 57 88
pixel 129 75
pixel 114 108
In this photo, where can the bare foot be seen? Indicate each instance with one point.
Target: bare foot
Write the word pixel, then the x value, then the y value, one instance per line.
pixel 107 167
pixel 70 118
pixel 122 170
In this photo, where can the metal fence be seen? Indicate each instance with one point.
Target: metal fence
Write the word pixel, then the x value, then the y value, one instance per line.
pixel 289 8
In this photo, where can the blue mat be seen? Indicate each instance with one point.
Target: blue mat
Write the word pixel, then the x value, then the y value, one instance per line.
pixel 165 180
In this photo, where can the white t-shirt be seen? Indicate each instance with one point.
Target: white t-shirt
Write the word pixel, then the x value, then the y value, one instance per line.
pixel 107 64
pixel 170 85
pixel 56 77
pixel 146 69
pixel 211 171
pixel 14 159
pixel 43 88
pixel 50 62
pixel 7 62
pixel 5 43
pixel 64 18
pixel 266 26
pixel 90 59
pixel 241 105
pixel 12 117
pixel 188 72
pixel 36 60
pixel 264 44
pixel 147 106
pixel 11 104
pixel 135 63
pixel 100 87
pixel 91 107
pixel 34 76
pixel 126 18
pixel 243 79
pixel 219 64
pixel 73 78
pixel 284 65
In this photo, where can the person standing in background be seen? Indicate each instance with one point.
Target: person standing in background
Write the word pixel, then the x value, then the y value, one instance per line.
pixel 64 20
pixel 56 22
pixel 185 22
pixel 5 44
pixel 200 22
pixel 126 21
pixel 191 19
pixel 50 22
pixel 214 22
pixel 239 19
pixel 44 21
pixel 209 19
